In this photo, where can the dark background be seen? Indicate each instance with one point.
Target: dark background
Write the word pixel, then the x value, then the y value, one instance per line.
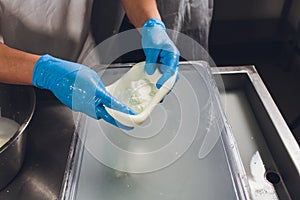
pixel 266 34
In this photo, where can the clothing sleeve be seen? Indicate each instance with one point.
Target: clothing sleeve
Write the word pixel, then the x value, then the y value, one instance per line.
pixel 103 23
pixel 190 17
pixel 54 27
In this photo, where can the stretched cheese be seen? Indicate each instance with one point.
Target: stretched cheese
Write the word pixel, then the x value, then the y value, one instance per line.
pixel 137 90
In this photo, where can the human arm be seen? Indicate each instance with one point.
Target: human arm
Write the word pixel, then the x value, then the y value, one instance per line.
pixel 139 11
pixel 75 85
pixel 16 66
pixel 157 45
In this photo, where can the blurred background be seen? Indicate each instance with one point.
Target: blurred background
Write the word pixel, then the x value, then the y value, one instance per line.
pixel 264 33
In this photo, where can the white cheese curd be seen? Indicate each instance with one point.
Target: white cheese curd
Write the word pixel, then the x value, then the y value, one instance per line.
pixel 8 128
pixel 138 94
pixel 137 90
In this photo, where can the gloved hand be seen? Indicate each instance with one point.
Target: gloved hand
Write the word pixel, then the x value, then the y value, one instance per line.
pixel 159 48
pixel 78 87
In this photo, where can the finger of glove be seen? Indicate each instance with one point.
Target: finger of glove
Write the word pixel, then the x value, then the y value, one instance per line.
pixel 103 114
pixel 169 66
pixel 151 60
pixel 165 76
pixel 110 102
pixel 163 99
pixel 170 59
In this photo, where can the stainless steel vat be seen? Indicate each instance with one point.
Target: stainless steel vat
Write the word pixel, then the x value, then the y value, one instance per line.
pixel 17 103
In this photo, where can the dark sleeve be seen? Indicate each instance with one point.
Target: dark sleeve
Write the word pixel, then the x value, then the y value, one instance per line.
pixel 191 17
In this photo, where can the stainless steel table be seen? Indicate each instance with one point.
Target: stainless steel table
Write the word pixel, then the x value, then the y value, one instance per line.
pixel 52 129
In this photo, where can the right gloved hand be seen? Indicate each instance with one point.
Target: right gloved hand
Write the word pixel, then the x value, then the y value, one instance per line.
pixel 159 48
pixel 78 87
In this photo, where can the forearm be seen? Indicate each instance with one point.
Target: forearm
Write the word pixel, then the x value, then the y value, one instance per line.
pixel 139 11
pixel 16 67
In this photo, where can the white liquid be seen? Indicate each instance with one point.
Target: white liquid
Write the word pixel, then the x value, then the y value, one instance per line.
pixel 8 128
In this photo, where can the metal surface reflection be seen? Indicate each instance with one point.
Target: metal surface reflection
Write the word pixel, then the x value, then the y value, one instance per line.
pixel 49 138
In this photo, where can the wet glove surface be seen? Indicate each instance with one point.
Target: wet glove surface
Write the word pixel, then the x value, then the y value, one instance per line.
pixel 159 50
pixel 78 87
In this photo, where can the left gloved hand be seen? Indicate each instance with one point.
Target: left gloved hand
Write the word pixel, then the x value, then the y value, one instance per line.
pixel 159 49
pixel 78 87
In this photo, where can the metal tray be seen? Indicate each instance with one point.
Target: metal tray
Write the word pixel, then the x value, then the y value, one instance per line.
pixel 212 162
pixel 41 176
pixel 269 152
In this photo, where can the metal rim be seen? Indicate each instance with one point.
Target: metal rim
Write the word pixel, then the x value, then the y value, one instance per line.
pixel 25 123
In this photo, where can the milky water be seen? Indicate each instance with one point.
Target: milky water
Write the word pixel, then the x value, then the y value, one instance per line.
pixel 161 160
pixel 8 127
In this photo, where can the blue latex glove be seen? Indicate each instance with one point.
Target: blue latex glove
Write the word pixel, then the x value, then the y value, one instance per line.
pixel 78 87
pixel 159 49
